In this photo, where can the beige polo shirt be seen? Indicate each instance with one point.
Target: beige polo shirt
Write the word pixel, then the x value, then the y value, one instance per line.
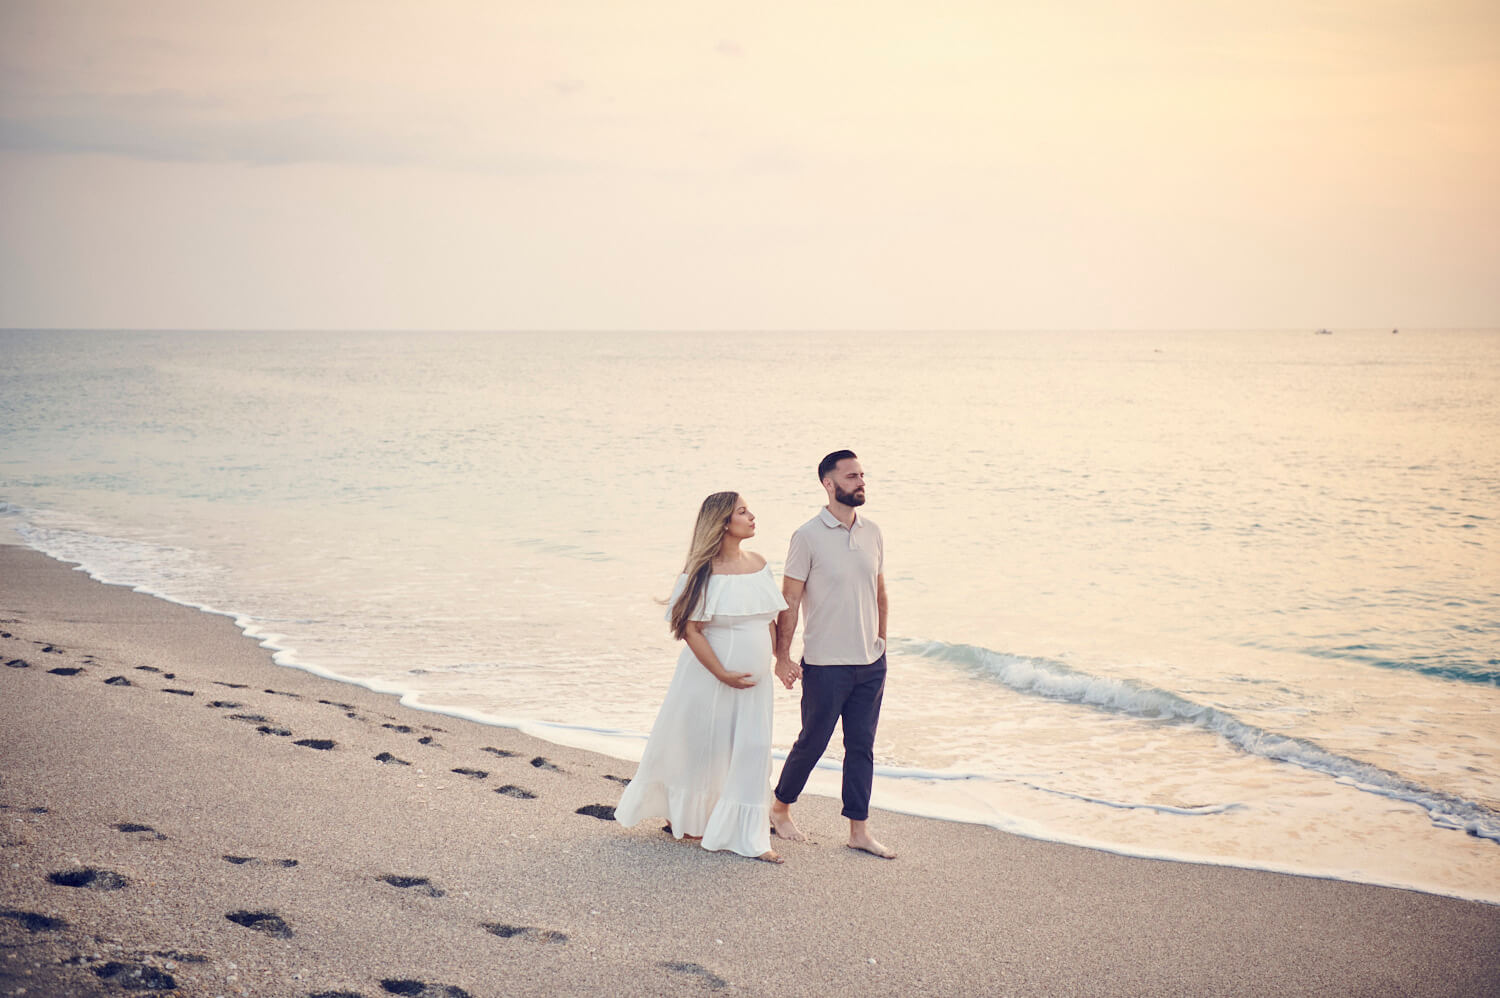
pixel 838 566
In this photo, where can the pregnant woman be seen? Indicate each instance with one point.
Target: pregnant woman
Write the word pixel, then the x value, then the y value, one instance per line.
pixel 707 764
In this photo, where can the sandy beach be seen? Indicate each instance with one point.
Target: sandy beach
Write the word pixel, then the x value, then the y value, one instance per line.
pixel 182 815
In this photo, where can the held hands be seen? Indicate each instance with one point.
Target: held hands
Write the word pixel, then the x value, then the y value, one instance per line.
pixel 788 671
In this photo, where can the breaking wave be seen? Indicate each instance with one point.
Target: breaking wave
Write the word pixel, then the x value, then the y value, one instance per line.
pixel 1056 681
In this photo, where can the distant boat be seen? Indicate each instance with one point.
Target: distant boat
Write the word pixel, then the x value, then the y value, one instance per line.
pixel 1324 332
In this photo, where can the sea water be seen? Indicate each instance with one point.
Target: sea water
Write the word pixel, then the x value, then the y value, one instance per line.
pixel 1219 596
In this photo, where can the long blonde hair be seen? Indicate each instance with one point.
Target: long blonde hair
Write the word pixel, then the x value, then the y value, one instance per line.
pixel 708 535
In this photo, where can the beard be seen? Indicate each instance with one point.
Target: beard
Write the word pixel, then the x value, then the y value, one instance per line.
pixel 855 498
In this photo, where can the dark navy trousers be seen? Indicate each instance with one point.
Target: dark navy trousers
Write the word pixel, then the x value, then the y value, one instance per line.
pixel 830 693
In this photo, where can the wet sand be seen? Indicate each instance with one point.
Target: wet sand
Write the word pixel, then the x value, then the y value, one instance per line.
pixel 176 809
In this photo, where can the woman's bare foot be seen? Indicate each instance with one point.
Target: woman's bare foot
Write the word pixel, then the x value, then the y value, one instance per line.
pixel 770 856
pixel 783 825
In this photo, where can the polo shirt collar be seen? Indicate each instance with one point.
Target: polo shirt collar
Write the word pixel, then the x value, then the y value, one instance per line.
pixel 829 520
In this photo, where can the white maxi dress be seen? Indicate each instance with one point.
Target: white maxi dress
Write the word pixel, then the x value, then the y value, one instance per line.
pixel 707 764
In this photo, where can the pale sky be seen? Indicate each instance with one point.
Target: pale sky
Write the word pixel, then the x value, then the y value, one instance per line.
pixel 561 164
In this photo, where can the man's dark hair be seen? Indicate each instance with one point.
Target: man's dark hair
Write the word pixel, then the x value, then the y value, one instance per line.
pixel 830 462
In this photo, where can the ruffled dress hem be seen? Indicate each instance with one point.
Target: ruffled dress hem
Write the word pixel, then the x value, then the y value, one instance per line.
pixel 722 825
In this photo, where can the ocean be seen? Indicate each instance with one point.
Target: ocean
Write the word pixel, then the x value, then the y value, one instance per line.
pixel 1229 597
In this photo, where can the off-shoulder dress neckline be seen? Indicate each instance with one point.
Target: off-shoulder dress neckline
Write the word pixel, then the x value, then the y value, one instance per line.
pixel 731 575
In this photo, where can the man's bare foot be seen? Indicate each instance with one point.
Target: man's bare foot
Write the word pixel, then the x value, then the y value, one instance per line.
pixel 867 843
pixel 770 856
pixel 784 827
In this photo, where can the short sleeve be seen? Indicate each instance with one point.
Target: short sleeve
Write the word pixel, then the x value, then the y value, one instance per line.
pixel 699 614
pixel 798 558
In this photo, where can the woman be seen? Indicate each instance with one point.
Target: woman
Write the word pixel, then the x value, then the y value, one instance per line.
pixel 707 764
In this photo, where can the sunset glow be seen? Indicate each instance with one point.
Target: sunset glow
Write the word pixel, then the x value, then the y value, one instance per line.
pixel 1167 164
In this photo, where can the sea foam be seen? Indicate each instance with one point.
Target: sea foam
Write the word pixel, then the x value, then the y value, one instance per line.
pixel 1056 681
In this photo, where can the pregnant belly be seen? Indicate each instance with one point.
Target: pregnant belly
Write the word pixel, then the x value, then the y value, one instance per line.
pixel 742 647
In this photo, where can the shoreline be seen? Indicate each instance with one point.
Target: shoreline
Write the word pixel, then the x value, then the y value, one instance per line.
pixel 939 796
pixel 169 787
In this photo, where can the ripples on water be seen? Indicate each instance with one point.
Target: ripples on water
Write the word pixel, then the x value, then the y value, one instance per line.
pixel 1216 595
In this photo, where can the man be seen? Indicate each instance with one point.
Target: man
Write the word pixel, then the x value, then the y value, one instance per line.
pixel 835 567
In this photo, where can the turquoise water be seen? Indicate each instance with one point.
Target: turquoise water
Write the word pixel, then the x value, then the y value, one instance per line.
pixel 1221 596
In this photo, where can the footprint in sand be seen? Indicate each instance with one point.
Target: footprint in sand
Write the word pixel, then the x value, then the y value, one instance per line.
pixel 131 828
pixel 294 696
pixel 527 932
pixel 65 671
pixel 251 718
pixel 601 811
pixel 118 681
pixel 322 744
pixel 135 976
pixel 502 753
pixel 34 922
pixel 519 793
pixel 262 921
pixel 94 880
pixel 478 774
pixel 400 729
pixel 617 779
pixel 540 762
pixel 391 760
pixel 181 693
pixel 709 978
pixel 232 686
pixel 226 704
pixel 18 663
pixel 244 860
pixel 421 989
pixel 266 729
pixel 409 883
pixel 146 668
